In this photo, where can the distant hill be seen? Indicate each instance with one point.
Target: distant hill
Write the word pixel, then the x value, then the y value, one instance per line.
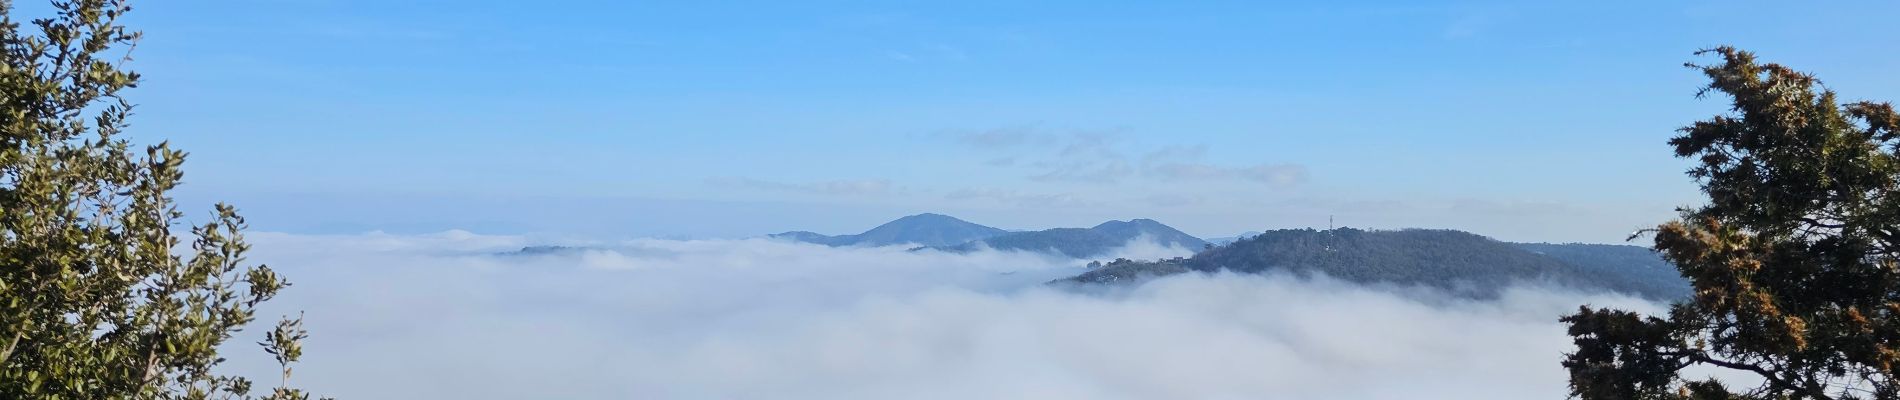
pixel 544 250
pixel 1458 262
pixel 1223 241
pixel 923 229
pixel 1085 243
pixel 813 237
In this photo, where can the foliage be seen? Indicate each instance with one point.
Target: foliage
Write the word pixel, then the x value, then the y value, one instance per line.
pixel 1792 261
pixel 94 302
pixel 1124 270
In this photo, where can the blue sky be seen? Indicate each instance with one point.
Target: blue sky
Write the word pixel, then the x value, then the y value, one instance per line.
pixel 1538 121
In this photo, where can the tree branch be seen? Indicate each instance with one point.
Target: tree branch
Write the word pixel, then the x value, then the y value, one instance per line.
pixel 1771 376
pixel 11 344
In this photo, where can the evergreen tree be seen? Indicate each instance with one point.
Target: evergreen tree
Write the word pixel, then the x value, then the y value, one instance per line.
pixel 97 300
pixel 1794 261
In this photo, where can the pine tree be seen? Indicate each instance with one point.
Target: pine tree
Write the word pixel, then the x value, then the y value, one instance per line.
pixel 1795 260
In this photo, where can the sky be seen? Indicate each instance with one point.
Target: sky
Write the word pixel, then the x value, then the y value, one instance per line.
pixel 1532 121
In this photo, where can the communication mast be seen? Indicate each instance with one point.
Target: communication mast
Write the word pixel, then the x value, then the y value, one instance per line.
pixel 1330 238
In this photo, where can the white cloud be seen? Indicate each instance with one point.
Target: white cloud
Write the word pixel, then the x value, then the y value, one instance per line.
pixel 440 316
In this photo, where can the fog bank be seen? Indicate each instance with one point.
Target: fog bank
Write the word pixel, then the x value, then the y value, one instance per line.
pixel 444 316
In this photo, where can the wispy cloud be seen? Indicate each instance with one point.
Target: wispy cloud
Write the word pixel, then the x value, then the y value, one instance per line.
pixel 1099 157
pixel 1094 170
pixel 1322 205
pixel 1473 206
pixel 1000 138
pixel 1277 175
pixel 1022 199
pixel 1177 163
pixel 1174 200
pixel 1089 157
pixel 859 187
pixel 1174 154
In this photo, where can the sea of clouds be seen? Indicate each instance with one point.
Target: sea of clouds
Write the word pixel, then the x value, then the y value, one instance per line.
pixel 448 316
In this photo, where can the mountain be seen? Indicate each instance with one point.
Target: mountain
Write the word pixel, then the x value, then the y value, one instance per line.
pixel 923 229
pixel 1223 241
pixel 1459 262
pixel 1085 243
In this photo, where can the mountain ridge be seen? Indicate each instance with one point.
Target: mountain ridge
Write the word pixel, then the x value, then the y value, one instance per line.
pixel 1460 262
pixel 1085 242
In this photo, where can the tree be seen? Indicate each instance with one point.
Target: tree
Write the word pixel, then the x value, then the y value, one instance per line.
pixel 97 300
pixel 1795 259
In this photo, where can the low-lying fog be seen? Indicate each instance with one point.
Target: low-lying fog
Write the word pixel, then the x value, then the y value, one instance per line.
pixel 444 316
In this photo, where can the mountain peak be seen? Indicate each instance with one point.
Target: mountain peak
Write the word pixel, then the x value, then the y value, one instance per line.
pixel 928 229
pixel 928 217
pixel 1133 223
pixel 926 220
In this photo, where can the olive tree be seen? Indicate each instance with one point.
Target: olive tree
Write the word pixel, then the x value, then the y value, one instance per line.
pixel 98 298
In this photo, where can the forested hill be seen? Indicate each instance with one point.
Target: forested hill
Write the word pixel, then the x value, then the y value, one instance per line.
pixel 1085 243
pixel 924 229
pixel 1457 261
pixel 1641 264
